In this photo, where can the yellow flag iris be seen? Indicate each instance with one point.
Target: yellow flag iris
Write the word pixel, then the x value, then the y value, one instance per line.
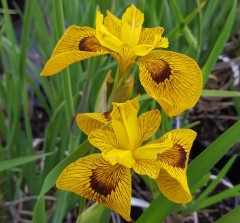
pixel 106 177
pixel 172 79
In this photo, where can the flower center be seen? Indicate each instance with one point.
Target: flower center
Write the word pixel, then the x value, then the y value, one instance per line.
pixel 123 157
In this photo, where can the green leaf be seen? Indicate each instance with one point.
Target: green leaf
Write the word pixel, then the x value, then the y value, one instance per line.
pixel 185 21
pixel 96 213
pixel 39 209
pixel 8 164
pixel 212 154
pixel 219 93
pixel 231 192
pixel 220 43
pixel 216 181
pixel 230 217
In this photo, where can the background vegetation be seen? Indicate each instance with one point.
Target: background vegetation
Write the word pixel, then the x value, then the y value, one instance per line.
pixel 37 114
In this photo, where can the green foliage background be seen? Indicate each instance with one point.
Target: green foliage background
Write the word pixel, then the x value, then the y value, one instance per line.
pixel 197 28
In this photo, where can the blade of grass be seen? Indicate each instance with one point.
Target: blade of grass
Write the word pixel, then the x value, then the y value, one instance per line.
pixel 230 217
pixel 66 82
pixel 61 208
pixel 215 182
pixel 220 42
pixel 214 152
pixel 185 29
pixel 174 32
pixel 231 192
pixel 39 214
pixel 96 213
pixel 8 164
pixel 219 93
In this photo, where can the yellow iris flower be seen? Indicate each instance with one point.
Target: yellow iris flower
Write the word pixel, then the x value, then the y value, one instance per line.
pixel 106 177
pixel 172 79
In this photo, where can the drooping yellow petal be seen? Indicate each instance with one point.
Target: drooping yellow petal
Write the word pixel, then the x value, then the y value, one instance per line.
pixel 104 139
pixel 123 157
pixel 105 37
pixel 147 167
pixel 148 124
pixel 124 122
pixel 174 187
pixel 172 79
pixel 77 43
pixel 88 122
pixel 94 178
pixel 132 21
pixel 113 24
pixel 172 180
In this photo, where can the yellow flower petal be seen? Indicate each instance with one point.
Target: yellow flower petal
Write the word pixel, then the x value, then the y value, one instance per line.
pixel 92 177
pixel 124 122
pixel 135 103
pixel 123 157
pixel 77 43
pixel 172 180
pixel 105 37
pixel 88 122
pixel 172 78
pixel 104 139
pixel 150 168
pixel 163 43
pixel 148 37
pixel 132 21
pixel 174 187
pixel 142 50
pixel 148 124
pixel 153 148
pixel 113 24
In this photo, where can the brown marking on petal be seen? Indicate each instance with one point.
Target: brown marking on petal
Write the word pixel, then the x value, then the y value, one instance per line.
pixel 159 70
pixel 176 157
pixel 107 115
pixel 104 182
pixel 90 44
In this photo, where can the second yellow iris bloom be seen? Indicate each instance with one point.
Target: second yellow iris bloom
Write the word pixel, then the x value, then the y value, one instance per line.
pixel 106 177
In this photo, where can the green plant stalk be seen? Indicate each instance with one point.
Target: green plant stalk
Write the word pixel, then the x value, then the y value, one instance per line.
pixel 118 81
pixel 66 82
pixel 30 168
pixel 231 192
pixel 8 23
pixel 186 20
pixel 214 183
pixel 185 30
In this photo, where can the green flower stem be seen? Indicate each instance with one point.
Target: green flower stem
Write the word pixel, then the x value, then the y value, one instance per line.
pixel 66 82
pixel 119 80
